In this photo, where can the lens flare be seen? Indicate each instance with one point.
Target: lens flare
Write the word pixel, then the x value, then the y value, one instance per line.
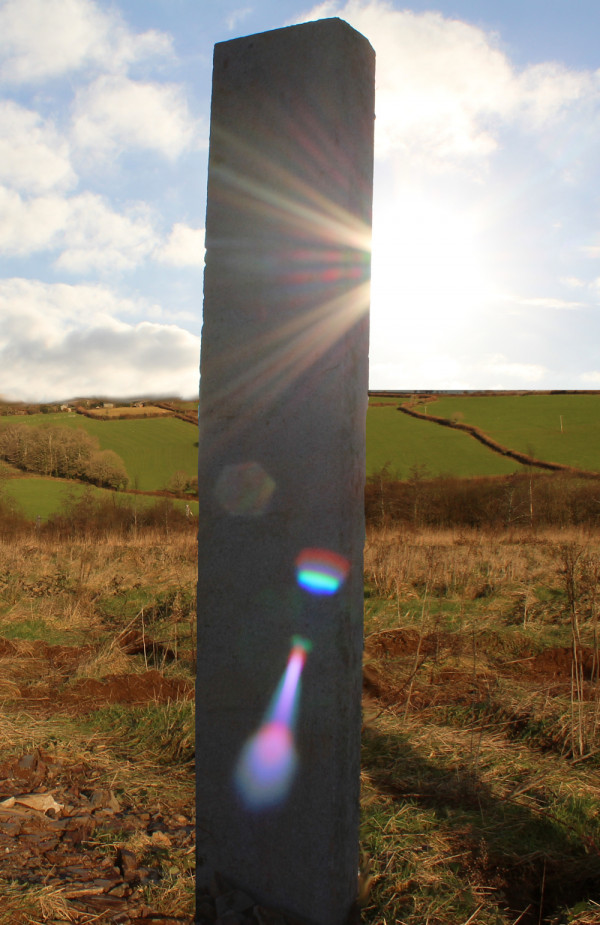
pixel 267 766
pixel 244 488
pixel 268 760
pixel 321 571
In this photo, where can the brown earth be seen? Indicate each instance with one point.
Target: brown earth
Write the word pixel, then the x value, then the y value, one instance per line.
pixel 399 659
pixel 56 829
pixel 25 662
pixel 60 824
pixel 60 827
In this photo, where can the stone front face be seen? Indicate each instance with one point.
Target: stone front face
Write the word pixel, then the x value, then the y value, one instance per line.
pixel 283 397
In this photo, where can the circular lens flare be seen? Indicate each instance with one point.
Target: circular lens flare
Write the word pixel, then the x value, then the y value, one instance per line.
pixel 267 765
pixel 244 488
pixel 321 571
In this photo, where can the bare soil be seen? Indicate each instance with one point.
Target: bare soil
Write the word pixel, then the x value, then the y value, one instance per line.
pixel 61 823
pixel 57 831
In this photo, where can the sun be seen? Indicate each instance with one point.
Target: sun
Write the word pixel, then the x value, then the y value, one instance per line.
pixel 428 267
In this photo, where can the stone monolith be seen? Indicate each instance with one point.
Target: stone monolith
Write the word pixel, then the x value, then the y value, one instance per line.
pixel 283 396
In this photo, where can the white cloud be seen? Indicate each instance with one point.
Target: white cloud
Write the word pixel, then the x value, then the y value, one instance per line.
pixel 41 39
pixel 33 155
pixel 88 234
pixel 96 237
pixel 440 370
pixel 27 226
pixel 238 16
pixel 445 88
pixel 183 248
pixel 497 367
pixel 114 113
pixel 59 341
pixel 573 281
pixel 549 89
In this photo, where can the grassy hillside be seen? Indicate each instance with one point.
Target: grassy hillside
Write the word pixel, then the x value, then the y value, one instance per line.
pixel 404 442
pixel 532 424
pixel 152 449
pixel 41 497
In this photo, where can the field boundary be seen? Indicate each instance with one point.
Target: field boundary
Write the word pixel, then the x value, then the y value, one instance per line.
pixel 493 445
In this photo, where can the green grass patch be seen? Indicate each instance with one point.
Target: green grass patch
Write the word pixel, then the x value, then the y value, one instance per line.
pixel 402 443
pixel 532 424
pixel 35 629
pixel 163 730
pixel 37 496
pixel 42 497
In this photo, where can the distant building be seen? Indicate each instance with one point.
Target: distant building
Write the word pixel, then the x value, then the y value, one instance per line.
pixel 108 404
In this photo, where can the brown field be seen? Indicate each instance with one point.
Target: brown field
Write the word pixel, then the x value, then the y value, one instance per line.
pixel 481 748
pixel 145 412
pixel 481 735
pixel 96 732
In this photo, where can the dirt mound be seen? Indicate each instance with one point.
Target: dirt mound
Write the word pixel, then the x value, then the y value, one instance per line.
pixel 557 663
pixel 401 642
pixel 28 661
pixel 86 694
pixel 7 648
pixel 130 688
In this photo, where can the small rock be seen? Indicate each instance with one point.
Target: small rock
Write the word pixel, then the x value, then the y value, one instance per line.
pixel 160 840
pixel 104 884
pixel 127 863
pixel 148 875
pixel 105 799
pixel 119 890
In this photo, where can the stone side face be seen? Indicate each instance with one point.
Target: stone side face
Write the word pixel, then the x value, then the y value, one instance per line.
pixel 283 397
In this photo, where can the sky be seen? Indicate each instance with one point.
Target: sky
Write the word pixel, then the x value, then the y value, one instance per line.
pixel 486 209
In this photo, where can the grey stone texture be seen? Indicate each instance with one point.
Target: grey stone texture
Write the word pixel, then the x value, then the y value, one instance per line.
pixel 283 396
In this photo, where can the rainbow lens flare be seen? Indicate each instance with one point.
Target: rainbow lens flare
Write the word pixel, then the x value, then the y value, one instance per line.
pixel 268 761
pixel 244 488
pixel 321 571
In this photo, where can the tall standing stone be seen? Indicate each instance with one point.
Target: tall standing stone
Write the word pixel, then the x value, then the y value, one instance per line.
pixel 283 395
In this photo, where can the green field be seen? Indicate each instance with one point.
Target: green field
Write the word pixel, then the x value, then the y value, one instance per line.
pixel 42 497
pixel 532 424
pixel 152 449
pixel 404 442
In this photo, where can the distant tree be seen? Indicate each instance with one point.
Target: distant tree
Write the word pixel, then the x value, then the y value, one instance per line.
pixel 105 467
pixel 63 452
pixel 179 481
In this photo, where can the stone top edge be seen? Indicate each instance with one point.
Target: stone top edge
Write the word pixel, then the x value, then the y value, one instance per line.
pixel 322 24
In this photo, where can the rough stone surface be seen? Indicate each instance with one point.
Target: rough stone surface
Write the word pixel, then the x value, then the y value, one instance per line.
pixel 283 397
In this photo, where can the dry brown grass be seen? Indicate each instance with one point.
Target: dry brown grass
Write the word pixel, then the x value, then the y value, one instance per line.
pixel 481 752
pixel 63 610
